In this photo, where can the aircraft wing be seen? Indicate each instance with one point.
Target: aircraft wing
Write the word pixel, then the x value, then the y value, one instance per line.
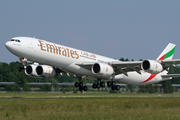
pixel 119 66
pixel 124 67
pixel 127 66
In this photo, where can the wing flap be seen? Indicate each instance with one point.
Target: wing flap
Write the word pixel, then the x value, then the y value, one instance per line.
pixel 130 63
pixel 127 66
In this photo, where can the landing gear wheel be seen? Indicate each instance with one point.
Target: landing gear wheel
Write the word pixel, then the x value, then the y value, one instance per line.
pixel 113 83
pixel 94 86
pixel 117 87
pixel 98 86
pixel 81 88
pixel 85 88
pixel 102 84
pixel 80 84
pixel 99 82
pixel 109 83
pixel 113 87
pixel 76 84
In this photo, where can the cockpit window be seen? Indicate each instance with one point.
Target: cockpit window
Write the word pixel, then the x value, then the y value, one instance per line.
pixel 15 40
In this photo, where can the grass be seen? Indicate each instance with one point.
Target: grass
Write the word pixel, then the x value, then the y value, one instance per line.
pixel 89 106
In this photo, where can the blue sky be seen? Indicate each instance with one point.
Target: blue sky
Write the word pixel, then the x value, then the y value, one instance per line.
pixel 119 28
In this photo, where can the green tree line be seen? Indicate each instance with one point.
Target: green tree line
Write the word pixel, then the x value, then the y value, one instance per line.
pixel 11 73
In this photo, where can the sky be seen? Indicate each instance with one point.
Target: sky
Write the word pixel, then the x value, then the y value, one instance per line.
pixel 133 29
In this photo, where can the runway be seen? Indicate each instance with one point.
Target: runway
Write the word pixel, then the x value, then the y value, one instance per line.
pixel 55 95
pixel 87 98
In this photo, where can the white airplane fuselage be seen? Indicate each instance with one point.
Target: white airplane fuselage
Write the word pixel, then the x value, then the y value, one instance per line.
pixel 66 58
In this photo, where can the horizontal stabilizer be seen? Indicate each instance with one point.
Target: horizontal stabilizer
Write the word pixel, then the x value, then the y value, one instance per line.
pixel 170 75
pixel 170 62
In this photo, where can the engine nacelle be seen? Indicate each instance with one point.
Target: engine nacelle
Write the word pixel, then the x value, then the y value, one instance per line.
pixel 102 69
pixel 46 71
pixel 151 66
pixel 31 70
pixel 40 71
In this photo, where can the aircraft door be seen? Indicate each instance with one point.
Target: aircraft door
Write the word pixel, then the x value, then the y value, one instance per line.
pixel 30 44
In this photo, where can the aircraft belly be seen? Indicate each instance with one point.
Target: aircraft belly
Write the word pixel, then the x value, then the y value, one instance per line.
pixel 80 71
pixel 144 78
pixel 75 69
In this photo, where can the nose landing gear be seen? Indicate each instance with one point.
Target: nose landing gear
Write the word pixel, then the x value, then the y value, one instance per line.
pixel 22 67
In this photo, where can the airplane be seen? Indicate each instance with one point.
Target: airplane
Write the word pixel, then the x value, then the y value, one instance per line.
pixel 50 59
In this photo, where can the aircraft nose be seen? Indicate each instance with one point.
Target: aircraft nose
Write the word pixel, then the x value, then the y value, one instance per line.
pixel 8 45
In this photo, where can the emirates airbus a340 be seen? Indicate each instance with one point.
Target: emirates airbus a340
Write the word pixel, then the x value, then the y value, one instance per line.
pixel 51 59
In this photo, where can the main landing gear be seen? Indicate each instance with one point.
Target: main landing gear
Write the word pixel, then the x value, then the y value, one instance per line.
pixel 99 84
pixel 112 84
pixel 80 85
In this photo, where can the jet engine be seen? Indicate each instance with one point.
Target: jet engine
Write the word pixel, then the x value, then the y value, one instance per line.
pixel 46 71
pixel 102 69
pixel 40 71
pixel 152 66
pixel 31 70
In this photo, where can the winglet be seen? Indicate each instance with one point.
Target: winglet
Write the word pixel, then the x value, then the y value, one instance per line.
pixel 167 53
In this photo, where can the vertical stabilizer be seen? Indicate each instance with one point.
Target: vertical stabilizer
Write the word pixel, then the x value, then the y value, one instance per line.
pixel 167 53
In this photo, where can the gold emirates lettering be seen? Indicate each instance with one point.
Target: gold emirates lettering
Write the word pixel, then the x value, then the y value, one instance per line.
pixel 59 48
pixel 41 44
pixel 51 47
pixel 62 51
pixel 72 53
pixel 56 49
